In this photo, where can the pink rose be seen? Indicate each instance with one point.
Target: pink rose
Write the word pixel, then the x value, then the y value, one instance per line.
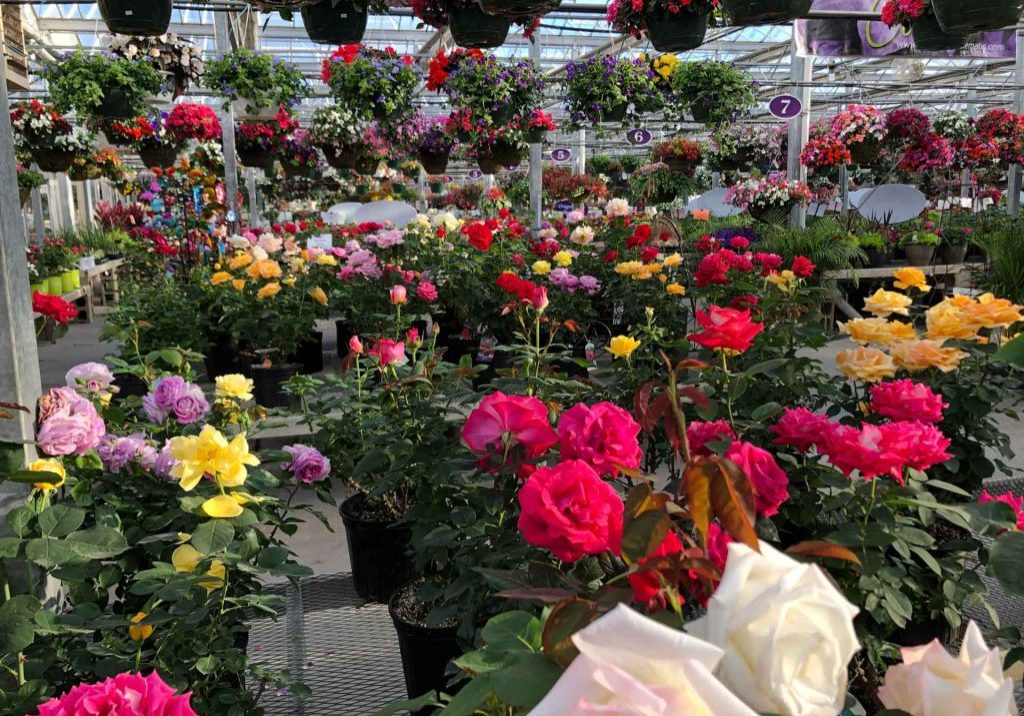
pixel 919 446
pixel 504 422
pixel 398 295
pixel 1007 498
pixel 121 695
pixel 355 345
pixel 907 400
pixel 771 485
pixel 426 291
pixel 389 352
pixel 699 434
pixel 800 428
pixel 569 510
pixel 71 426
pixel 865 450
pixel 604 435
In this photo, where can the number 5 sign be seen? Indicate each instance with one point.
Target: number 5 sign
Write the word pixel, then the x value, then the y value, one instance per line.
pixel 785 106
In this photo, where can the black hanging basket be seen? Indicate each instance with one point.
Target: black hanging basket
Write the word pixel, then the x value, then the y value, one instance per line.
pixel 759 12
pixel 255 159
pixel 682 31
pixel 432 162
pixel 700 111
pixel 53 160
pixel 866 153
pixel 930 37
pixel 681 165
pixel 616 113
pixel 518 8
pixel 115 104
pixel 136 17
pixel 335 24
pixel 367 165
pixel 507 154
pixel 161 157
pixel 339 158
pixel 473 28
pixel 489 165
pixel 536 135
pixel 977 15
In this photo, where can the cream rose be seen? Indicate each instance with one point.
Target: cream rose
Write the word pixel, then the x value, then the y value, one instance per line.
pixel 932 682
pixel 786 630
pixel 630 664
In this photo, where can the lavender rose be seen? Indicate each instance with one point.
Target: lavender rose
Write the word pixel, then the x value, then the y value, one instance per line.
pixel 173 394
pixel 307 466
pixel 118 453
pixel 191 405
pixel 165 462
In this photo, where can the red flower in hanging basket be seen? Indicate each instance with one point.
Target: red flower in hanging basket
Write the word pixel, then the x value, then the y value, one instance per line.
pixel 902 12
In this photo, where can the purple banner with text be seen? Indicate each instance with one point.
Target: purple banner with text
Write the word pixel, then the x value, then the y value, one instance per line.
pixel 858 38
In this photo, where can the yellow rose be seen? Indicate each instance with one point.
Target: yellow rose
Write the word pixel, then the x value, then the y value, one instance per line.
pixel 318 295
pixel 563 258
pixel 785 281
pixel 884 303
pixel 268 291
pixel 910 277
pixel 140 633
pixel 186 558
pixel 629 268
pixel 623 346
pixel 238 284
pixel 948 320
pixel 220 277
pixel 265 268
pixel 662 278
pixel 52 466
pixel 673 260
pixel 867 364
pixel 541 268
pixel 240 261
pixel 992 312
pixel 211 453
pixel 675 289
pixel 920 355
pixel 234 386
pixel 878 330
pixel 326 260
pixel 288 281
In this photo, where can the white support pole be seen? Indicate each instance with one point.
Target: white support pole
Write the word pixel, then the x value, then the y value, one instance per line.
pixel 19 359
pixel 421 186
pixel 222 29
pixel 844 188
pixel 581 149
pixel 536 158
pixel 60 187
pixel 716 180
pixel 1013 185
pixel 254 209
pixel 801 69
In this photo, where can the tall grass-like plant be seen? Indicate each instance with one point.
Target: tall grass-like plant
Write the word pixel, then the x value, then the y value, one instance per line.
pixel 1004 274
pixel 825 242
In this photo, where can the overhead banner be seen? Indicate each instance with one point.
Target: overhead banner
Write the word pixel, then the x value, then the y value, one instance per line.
pixel 859 38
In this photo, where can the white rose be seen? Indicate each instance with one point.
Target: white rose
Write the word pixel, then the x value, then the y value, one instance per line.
pixel 630 664
pixel 617 207
pixel 786 630
pixel 582 235
pixel 932 682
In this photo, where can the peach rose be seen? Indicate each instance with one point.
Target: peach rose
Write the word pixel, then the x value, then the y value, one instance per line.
pixel 868 364
pixel 878 330
pixel 920 355
pixel 884 303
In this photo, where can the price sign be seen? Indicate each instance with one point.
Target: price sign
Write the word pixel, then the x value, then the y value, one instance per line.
pixel 475 174
pixel 87 262
pixel 220 193
pixel 561 155
pixel 785 106
pixel 638 137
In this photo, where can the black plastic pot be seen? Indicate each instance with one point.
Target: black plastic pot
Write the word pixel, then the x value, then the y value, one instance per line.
pixel 136 17
pixel 508 154
pixel 488 165
pixel 344 335
pixel 518 8
pixel 682 165
pixel 977 15
pixel 161 157
pixel 255 158
pixel 335 24
pixel 366 165
pixel 53 160
pixel 682 31
pixel 878 259
pixel 930 37
pixel 473 28
pixel 774 213
pixel 221 358
pixel 433 162
pixel 310 355
pixel 756 12
pixel 615 114
pixel 115 104
pixel 425 651
pixel 267 384
pixel 378 552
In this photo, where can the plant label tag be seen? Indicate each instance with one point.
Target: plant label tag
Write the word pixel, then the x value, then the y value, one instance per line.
pixel 323 242
pixel 87 262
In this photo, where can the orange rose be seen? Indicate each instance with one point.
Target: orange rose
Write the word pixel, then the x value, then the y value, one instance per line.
pixel 240 261
pixel 920 355
pixel 867 364
pixel 948 320
pixel 265 268
pixel 878 330
pixel 992 312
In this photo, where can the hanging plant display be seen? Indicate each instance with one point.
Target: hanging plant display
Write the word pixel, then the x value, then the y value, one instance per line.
pixel 494 91
pixel 679 154
pixel 609 89
pixel 670 26
pixel 712 92
pixel 471 25
pixel 178 60
pixel 255 84
pixel 977 15
pixel 95 84
pixel 136 17
pixel 917 16
pixel 435 148
pixel 155 144
pixel 299 158
pixel 193 121
pixel 51 140
pixel 378 84
pixel 862 129
pixel 339 22
pixel 337 130
pixel 258 143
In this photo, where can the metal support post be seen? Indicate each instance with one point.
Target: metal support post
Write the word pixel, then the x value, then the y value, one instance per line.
pixel 536 158
pixel 716 180
pixel 844 188
pixel 581 149
pixel 1013 188
pixel 421 185
pixel 222 30
pixel 801 69
pixel 254 209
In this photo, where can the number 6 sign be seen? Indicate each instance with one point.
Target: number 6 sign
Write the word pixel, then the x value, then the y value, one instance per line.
pixel 638 137
pixel 785 106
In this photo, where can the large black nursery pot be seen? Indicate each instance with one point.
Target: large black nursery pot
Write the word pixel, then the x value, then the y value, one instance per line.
pixel 425 650
pixel 473 28
pixel 518 8
pixel 267 383
pixel 930 37
pixel 378 550
pixel 136 17
pixel 310 354
pixel 677 32
pixel 221 358
pixel 977 15
pixel 755 12
pixel 433 163
pixel 335 22
pixel 255 158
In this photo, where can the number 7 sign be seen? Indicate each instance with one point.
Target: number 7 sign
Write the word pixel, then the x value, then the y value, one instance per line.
pixel 785 106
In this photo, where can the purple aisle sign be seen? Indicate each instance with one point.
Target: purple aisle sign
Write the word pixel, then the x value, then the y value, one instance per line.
pixel 638 137
pixel 475 174
pixel 561 155
pixel 785 106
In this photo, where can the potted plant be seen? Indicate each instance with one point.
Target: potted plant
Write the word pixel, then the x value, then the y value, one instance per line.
pixel 738 147
pixel 196 122
pixel 101 85
pixel 670 26
pixel 919 247
pixel 609 89
pixel 377 84
pixel 155 145
pixel 258 143
pixel 824 153
pixel 435 147
pixel 918 16
pixel 538 124
pixel 178 59
pixel 516 9
pixel 956 16
pixel 492 91
pixel 470 26
pixel 929 154
pixel 713 92
pixel 41 131
pixel 255 84
pixel 862 129
pixel 679 154
pixel 337 130
pixel 339 22
pixel 298 157
pixel 760 12
pixel 28 179
pixel 136 17
pixel 768 198
pixel 876 247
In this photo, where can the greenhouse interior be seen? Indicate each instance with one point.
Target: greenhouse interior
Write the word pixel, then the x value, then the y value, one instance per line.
pixel 512 358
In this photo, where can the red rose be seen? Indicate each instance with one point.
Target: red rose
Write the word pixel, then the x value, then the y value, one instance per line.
pixel 611 256
pixel 53 307
pixel 803 267
pixel 726 329
pixel 649 253
pixel 604 435
pixel 771 485
pixel 800 428
pixel 480 237
pixel 569 510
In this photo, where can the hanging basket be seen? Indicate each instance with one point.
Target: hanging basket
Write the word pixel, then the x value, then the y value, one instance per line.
pixel 507 154
pixel 682 31
pixel 615 114
pixel 681 165
pixel 339 158
pixel 255 158
pixel 740 161
pixel 136 17
pixel 865 153
pixel 471 27
pixel 115 104
pixel 536 136
pixel 83 172
pixel 53 160
pixel 771 213
pixel 335 24
pixel 297 171
pixel 518 8
pixel 930 37
pixel 24 195
pixel 279 5
pixel 700 112
pixel 488 165
pixel 760 12
pixel 977 15
pixel 367 166
pixel 432 162
pixel 161 157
